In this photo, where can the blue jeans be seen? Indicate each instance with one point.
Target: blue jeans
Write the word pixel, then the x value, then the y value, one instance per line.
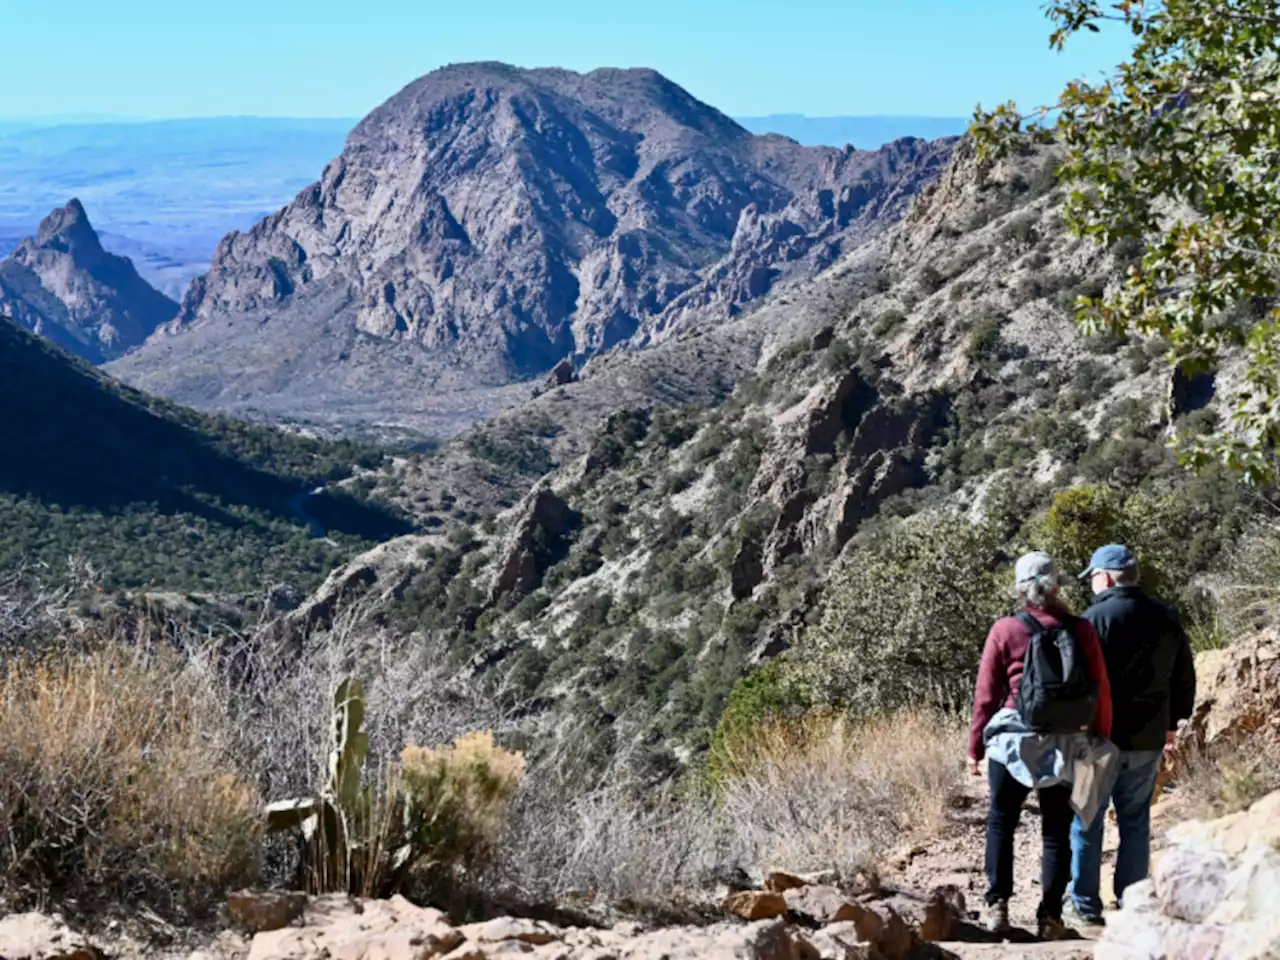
pixel 1134 787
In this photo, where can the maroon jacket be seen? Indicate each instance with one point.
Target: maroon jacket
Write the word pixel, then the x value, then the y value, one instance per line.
pixel 1000 674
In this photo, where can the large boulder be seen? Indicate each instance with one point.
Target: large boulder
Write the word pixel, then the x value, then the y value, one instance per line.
pixel 260 911
pixel 34 936
pixel 343 928
pixel 755 904
pixel 1214 895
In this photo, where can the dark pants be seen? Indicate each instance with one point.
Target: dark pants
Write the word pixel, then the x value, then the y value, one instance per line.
pixel 1056 815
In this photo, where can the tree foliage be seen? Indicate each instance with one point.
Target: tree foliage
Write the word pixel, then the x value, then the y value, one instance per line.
pixel 905 616
pixel 1179 148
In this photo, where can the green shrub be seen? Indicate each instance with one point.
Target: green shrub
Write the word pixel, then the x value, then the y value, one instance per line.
pixel 904 617
pixel 888 322
pixel 766 694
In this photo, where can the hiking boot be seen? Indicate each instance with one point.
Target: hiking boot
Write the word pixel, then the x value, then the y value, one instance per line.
pixel 1051 929
pixel 998 917
pixel 1079 917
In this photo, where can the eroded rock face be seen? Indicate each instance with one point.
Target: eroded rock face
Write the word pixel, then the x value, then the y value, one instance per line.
pixel 385 569
pixel 488 221
pixel 875 445
pixel 1237 701
pixel 542 524
pixel 1214 895
pixel 61 284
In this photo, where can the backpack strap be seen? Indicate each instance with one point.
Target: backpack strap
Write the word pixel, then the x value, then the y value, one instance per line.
pixel 1030 622
pixel 1068 622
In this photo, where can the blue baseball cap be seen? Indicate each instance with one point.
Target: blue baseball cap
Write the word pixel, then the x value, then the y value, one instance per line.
pixel 1113 556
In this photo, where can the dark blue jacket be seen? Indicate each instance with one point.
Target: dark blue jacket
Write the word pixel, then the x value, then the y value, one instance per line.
pixel 1149 663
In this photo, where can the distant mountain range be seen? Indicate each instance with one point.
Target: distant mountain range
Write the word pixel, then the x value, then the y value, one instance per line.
pixel 488 221
pixel 164 192
pixel 864 133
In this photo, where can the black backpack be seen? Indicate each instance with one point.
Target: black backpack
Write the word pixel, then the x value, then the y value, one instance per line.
pixel 1056 695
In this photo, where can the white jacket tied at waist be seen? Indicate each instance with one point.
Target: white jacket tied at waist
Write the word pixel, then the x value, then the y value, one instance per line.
pixel 1085 761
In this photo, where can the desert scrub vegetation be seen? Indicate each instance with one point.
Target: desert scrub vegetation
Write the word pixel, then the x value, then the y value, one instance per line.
pixel 141 752
pixel 152 493
pixel 120 779
pixel 868 786
pixel 372 834
pixel 904 616
pixel 823 792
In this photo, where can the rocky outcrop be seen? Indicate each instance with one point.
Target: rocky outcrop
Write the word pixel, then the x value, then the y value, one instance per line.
pixel 34 936
pixel 539 535
pixel 63 285
pixel 383 572
pixel 878 445
pixel 562 373
pixel 1213 895
pixel 1189 392
pixel 1237 702
pixel 333 928
pixel 488 221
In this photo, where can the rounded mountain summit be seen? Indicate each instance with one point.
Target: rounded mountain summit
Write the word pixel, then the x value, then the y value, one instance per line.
pixel 488 221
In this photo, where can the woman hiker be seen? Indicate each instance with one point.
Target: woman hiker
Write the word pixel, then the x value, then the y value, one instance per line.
pixel 1041 734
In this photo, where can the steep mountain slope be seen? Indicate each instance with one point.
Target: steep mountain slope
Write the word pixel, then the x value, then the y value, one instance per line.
pixel 621 599
pixel 486 222
pixel 63 285
pixel 152 493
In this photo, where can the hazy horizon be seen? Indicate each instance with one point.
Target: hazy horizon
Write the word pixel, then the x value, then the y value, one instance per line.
pixel 314 59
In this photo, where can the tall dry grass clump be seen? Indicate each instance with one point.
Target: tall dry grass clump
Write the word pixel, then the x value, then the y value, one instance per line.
pixel 118 779
pixel 830 793
pixel 813 793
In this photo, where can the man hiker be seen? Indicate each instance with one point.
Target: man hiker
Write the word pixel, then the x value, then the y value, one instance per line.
pixel 1153 686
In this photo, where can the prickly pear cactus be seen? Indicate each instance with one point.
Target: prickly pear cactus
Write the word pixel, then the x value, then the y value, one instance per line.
pixel 328 823
pixel 350 743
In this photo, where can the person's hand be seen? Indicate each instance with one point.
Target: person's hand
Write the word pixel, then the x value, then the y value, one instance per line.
pixel 1170 741
pixel 975 768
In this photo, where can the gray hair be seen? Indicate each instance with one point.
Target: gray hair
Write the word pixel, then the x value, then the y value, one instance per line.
pixel 1128 577
pixel 1037 592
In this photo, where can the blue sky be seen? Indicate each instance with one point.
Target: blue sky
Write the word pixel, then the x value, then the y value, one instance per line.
pixel 179 58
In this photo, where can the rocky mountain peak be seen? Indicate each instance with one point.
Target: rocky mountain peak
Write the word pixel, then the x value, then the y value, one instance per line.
pixel 68 229
pixel 487 221
pixel 63 285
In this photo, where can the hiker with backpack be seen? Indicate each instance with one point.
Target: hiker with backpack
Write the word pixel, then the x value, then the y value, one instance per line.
pixel 1153 687
pixel 1041 713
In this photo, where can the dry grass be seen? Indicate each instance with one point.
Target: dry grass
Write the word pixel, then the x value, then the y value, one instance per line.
pixel 832 794
pixel 653 851
pixel 136 774
pixel 823 794
pixel 118 778
pixel 1230 780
